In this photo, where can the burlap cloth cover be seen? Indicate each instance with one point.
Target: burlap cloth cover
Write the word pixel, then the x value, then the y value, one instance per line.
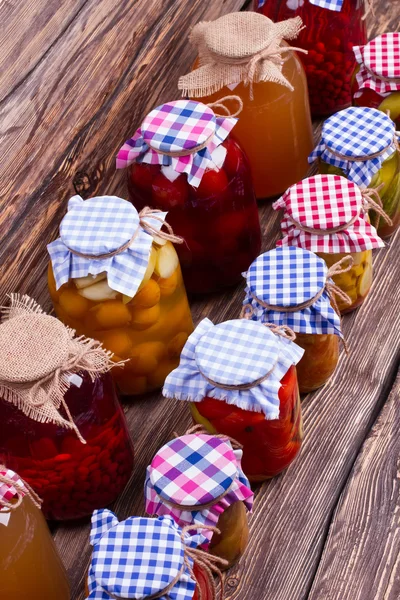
pixel 38 355
pixel 239 47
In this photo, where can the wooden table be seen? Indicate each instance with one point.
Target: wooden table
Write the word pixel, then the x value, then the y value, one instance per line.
pixel 77 78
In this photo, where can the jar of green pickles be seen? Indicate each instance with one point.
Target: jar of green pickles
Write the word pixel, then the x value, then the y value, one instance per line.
pixel 360 143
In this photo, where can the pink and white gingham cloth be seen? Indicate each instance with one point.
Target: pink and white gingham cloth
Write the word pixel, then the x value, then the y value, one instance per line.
pixel 7 491
pixel 326 202
pixel 379 58
pixel 194 470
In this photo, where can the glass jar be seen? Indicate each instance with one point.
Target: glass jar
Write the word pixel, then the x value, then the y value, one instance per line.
pixel 72 477
pixel 320 359
pixel 217 216
pixel 274 127
pixel 29 563
pixel 147 328
pixel 328 36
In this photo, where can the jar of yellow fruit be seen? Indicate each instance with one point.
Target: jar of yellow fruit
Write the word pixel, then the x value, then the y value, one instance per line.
pixel 114 275
pixel 327 214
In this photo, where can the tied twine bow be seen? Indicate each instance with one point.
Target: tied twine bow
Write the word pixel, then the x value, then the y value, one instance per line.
pixel 22 489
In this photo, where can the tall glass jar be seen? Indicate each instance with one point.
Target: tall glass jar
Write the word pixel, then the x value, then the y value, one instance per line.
pixel 329 35
pixel 207 190
pixel 29 564
pixel 274 127
pixel 61 426
pixel 131 298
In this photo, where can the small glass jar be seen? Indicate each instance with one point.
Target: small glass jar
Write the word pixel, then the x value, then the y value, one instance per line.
pixel 218 498
pixel 135 305
pixel 213 207
pixel 29 564
pixel 329 35
pixel 274 127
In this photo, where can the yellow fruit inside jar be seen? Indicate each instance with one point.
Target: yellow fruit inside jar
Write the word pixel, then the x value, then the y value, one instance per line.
pixel 356 282
pixel 148 330
pixel 319 361
pixel 233 538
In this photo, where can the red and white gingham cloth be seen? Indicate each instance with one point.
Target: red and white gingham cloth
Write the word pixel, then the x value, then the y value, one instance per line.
pixel 325 202
pixel 8 492
pixel 379 58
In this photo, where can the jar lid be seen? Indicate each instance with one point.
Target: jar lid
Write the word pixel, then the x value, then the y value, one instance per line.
pixel 379 64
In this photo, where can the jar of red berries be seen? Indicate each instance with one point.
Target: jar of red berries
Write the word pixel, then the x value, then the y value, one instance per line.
pixel 182 160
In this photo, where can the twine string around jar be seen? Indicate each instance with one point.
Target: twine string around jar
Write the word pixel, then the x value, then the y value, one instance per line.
pixel 375 204
pixel 220 104
pixel 22 490
pixel 365 157
pixel 240 386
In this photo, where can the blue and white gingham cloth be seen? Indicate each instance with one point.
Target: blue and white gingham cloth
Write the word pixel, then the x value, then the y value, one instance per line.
pixel 288 276
pixel 356 131
pixel 335 5
pixel 137 558
pixel 97 226
pixel 233 353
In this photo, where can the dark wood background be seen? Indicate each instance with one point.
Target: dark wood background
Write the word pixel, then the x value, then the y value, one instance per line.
pixel 76 79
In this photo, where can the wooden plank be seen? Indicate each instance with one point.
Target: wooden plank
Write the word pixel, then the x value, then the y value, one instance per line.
pixel 361 558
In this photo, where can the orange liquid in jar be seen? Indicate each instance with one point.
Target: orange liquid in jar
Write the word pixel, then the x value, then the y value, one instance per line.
pixel 319 361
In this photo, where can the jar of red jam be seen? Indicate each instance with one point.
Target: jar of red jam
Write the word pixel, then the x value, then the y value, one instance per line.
pixel 327 214
pixel 377 81
pixel 247 54
pixel 29 564
pixel 197 478
pixel 292 287
pixel 241 381
pixel 332 28
pixel 147 558
pixel 182 161
pixel 360 143
pixel 61 426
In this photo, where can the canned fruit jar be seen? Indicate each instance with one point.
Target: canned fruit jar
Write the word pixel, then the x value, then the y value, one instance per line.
pixel 321 356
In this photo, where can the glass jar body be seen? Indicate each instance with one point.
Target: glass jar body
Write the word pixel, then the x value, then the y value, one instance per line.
pixel 29 564
pixel 357 282
pixel 218 220
pixel 274 129
pixel 387 179
pixel 72 478
pixel 148 330
pixel 329 37
pixel 319 361
pixel 231 543
pixel 269 446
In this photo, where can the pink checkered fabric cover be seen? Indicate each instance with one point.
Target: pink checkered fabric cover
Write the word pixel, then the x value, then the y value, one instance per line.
pixel 194 470
pixel 176 127
pixel 325 202
pixel 7 491
pixel 379 58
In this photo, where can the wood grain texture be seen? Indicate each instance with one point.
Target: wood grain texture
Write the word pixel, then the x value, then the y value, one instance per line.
pixel 364 536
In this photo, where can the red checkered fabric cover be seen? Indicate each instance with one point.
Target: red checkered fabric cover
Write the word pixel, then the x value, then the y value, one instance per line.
pixel 379 59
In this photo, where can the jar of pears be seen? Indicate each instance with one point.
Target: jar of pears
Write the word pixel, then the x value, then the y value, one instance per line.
pixel 114 276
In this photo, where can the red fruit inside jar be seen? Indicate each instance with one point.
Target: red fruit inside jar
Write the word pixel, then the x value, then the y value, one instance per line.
pixel 329 37
pixel 72 478
pixel 203 582
pixel 269 446
pixel 218 220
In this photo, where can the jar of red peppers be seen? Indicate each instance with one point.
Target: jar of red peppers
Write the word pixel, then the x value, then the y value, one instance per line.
pixel 29 564
pixel 61 426
pixel 248 54
pixel 115 276
pixel 241 381
pixel 292 287
pixel 377 81
pixel 361 144
pixel 148 558
pixel 197 478
pixel 327 214
pixel 181 160
pixel 332 28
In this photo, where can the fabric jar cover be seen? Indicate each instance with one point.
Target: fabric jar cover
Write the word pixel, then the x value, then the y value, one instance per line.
pixel 138 557
pixel 97 226
pixel 235 353
pixel 287 277
pixel 176 127
pixel 357 132
pixel 194 470
pixel 379 64
pixel 335 5
pixel 325 202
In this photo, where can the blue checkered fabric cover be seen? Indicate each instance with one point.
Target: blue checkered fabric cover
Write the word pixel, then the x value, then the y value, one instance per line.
pixel 137 558
pixel 288 276
pixel 353 132
pixel 233 353
pixel 98 226
pixel 335 5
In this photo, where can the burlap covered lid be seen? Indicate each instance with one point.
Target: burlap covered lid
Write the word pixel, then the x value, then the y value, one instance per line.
pixel 239 47
pixel 38 356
